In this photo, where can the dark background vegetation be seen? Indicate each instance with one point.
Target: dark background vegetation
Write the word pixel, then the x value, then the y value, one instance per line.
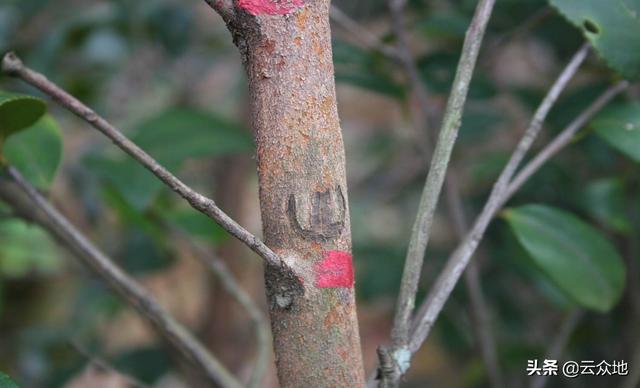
pixel 167 73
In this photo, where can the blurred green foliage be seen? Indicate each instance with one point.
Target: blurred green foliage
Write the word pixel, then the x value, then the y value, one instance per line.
pixel 18 112
pixel 576 257
pixel 612 27
pixel 620 127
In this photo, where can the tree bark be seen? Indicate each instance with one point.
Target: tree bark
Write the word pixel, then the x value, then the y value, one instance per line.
pixel 286 49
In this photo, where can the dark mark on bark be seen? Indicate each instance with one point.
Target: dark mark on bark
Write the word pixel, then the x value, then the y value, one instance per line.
pixel 283 287
pixel 327 218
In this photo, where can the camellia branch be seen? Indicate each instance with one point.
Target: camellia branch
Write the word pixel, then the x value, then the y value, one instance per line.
pixel 479 308
pixel 13 66
pixel 459 259
pixel 231 286
pixel 31 205
pixel 105 366
pixel 564 138
pixel 559 343
pixel 364 36
pixel 442 153
pixel 423 112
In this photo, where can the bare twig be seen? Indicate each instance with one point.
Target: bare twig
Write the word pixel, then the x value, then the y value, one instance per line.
pixel 224 8
pixel 565 137
pixel 559 343
pixel 30 204
pixel 12 65
pixel 365 37
pixel 105 365
pixel 231 286
pixel 404 56
pixel 421 128
pixel 421 229
pixel 458 260
pixel 478 305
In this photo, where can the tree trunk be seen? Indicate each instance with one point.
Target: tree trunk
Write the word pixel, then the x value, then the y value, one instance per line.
pixel 286 47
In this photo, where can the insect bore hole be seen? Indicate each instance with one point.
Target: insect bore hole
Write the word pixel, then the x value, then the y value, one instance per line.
pixel 591 27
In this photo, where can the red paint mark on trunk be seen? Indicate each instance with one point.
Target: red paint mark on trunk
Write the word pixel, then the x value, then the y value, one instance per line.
pixel 270 7
pixel 335 270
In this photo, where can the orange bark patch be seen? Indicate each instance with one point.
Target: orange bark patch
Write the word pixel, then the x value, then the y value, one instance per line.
pixel 317 46
pixel 269 46
pixel 331 318
pixel 301 18
pixel 327 106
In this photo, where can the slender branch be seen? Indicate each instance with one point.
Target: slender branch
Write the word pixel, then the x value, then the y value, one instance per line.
pixel 224 8
pixel 34 207
pixel 364 36
pixel 459 259
pixel 478 305
pixel 231 286
pixel 13 66
pixel 559 343
pixel 565 137
pixel 433 186
pixel 106 366
pixel 404 56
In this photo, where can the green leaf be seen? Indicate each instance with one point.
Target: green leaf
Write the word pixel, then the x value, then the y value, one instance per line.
pixel 171 25
pixel 172 137
pixel 18 112
pixel 181 133
pixel 196 224
pixel 575 256
pixel 370 81
pixel 444 25
pixel 25 249
pixel 364 69
pixel 6 382
pixel 620 127
pixel 438 70
pixel 612 27
pixel 146 364
pixel 137 185
pixel 140 253
pixel 36 151
pixel 604 200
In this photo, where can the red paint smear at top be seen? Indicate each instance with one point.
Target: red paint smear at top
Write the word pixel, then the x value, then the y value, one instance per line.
pixel 335 270
pixel 270 7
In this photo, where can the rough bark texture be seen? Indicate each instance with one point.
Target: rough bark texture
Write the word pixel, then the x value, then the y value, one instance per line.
pixel 303 191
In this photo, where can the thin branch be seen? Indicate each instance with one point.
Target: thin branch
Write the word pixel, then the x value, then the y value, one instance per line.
pixel 433 186
pixel 231 286
pixel 30 203
pixel 459 259
pixel 365 37
pixel 565 137
pixel 224 8
pixel 106 366
pixel 416 85
pixel 479 308
pixel 403 55
pixel 13 66
pixel 559 343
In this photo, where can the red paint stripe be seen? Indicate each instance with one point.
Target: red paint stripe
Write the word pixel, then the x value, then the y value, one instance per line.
pixel 335 270
pixel 270 7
